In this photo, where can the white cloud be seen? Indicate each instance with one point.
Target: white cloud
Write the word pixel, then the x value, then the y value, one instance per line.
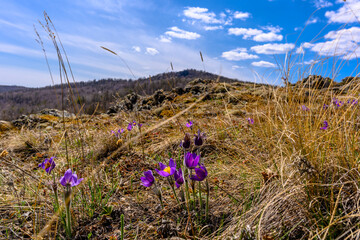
pixel 241 15
pixel 179 33
pixel 348 13
pixel 263 64
pixel 238 54
pixel 211 28
pixel 268 37
pixel 344 43
pixel 19 50
pixel 245 32
pixel 303 46
pixel 274 48
pixel 311 21
pixel 322 3
pixel 152 51
pixel 165 39
pixel 257 34
pixel 311 62
pixel 136 48
pixel 201 14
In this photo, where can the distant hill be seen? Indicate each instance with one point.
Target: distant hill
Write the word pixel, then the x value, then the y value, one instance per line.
pixel 4 88
pixel 100 94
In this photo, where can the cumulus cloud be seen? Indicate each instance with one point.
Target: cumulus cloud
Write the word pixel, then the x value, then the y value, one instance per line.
pixel 303 46
pixel 165 39
pixel 241 15
pixel 322 3
pixel 311 21
pixel 258 35
pixel 245 32
pixel 211 28
pixel 274 48
pixel 348 13
pixel 263 64
pixel 136 48
pixel 179 33
pixel 238 54
pixel 268 37
pixel 201 14
pixel 344 43
pixel 152 51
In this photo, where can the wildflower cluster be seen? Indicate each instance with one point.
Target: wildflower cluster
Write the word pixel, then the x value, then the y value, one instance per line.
pixel 119 133
pixel 69 180
pixel 194 171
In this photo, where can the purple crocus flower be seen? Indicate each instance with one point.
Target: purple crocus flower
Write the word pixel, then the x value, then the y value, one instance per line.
pixel 148 180
pixel 191 160
pixel 200 173
pixel 48 164
pixel 70 179
pixel 129 127
pixel 179 179
pixel 189 124
pixel 166 171
pixel 250 121
pixel 325 125
pixel 304 108
pixel 186 142
pixel 121 130
pixel 199 138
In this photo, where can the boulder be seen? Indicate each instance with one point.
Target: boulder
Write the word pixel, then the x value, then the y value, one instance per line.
pixel 5 126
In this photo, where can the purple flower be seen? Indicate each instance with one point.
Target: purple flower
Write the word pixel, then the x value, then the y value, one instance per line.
pixel 166 171
pixel 200 173
pixel 148 180
pixel 179 179
pixel 199 138
pixel 134 123
pixel 48 164
pixel 186 142
pixel 140 125
pixel 121 130
pixel 325 125
pixel 191 160
pixel 70 179
pixel 129 127
pixel 304 108
pixel 189 124
pixel 250 121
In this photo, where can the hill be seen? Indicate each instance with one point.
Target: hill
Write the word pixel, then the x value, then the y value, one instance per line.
pixel 96 94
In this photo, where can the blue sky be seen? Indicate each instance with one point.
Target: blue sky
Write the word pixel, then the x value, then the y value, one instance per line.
pixel 247 40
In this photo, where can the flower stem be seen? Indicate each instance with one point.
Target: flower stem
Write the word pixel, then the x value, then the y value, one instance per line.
pixel 173 189
pixel 207 199
pixel 67 197
pixel 200 200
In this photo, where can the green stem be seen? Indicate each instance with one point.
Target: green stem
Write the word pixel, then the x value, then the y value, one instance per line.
pixel 200 200
pixel 173 189
pixel 67 197
pixel 207 199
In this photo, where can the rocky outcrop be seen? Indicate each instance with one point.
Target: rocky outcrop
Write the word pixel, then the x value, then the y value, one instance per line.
pixel 315 82
pixel 41 119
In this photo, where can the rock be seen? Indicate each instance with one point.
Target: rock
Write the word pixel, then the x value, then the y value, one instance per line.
pixel 57 113
pixel 132 98
pixel 315 82
pixel 178 91
pixel 5 126
pixel 159 97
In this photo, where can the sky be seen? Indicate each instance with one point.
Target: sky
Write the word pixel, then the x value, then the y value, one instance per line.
pixel 256 41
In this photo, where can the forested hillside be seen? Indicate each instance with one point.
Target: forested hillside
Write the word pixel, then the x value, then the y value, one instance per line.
pixel 16 101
